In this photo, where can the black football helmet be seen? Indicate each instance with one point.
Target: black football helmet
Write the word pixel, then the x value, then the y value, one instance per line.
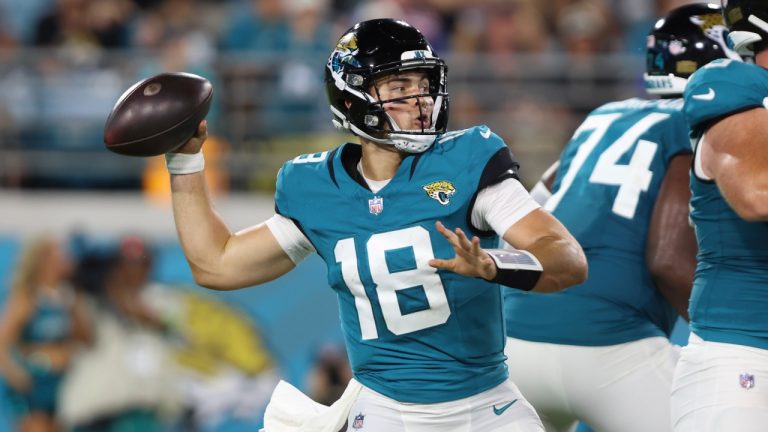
pixel 747 22
pixel 372 49
pixel 686 39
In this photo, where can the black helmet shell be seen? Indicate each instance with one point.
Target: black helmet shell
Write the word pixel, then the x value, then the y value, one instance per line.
pixel 686 39
pixel 371 49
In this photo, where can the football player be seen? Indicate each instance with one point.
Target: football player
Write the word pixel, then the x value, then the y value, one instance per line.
pixel 720 380
pixel 599 352
pixel 420 303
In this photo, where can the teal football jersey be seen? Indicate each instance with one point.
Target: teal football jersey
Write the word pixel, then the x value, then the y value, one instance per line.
pixel 606 185
pixel 413 333
pixel 730 292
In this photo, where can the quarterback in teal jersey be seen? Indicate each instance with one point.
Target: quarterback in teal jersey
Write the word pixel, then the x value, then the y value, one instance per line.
pixel 720 380
pixel 599 352
pixel 420 303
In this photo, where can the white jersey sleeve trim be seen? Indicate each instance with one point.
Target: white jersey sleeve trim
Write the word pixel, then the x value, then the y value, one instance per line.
pixel 698 169
pixel 502 205
pixel 295 244
pixel 540 193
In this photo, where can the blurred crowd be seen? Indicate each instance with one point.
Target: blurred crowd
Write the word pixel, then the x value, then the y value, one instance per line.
pixel 492 26
pixel 89 342
pixel 529 69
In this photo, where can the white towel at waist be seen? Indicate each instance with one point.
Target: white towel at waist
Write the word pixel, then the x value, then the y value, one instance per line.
pixel 290 410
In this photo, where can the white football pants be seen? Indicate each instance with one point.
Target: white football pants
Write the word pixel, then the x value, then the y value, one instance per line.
pixel 720 387
pixel 615 388
pixel 500 409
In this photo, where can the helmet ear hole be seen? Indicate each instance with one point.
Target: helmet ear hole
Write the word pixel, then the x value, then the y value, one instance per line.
pixel 371 120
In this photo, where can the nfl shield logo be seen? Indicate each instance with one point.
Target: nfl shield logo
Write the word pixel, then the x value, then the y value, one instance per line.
pixel 358 422
pixel 747 381
pixel 376 205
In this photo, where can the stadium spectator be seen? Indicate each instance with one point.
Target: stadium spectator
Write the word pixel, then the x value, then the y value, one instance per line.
pixel 84 25
pixel 329 374
pixel 420 14
pixel 127 380
pixel 259 26
pixel 7 39
pixel 43 323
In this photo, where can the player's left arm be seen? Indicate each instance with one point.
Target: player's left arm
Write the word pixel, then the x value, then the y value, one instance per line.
pixel 561 257
pixel 510 211
pixel 671 249
pixel 504 206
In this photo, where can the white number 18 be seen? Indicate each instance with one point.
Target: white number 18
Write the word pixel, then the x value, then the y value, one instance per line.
pixel 388 283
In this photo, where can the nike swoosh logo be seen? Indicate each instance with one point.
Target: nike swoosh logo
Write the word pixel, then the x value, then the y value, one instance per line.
pixel 485 133
pixel 708 96
pixel 500 411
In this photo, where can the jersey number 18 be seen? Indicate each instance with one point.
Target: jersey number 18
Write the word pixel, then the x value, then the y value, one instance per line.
pixel 388 283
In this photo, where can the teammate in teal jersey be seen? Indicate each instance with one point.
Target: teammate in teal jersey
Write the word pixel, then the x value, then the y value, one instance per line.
pixel 420 304
pixel 720 380
pixel 599 352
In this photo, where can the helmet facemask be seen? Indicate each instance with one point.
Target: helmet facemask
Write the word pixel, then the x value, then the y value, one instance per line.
pixel 431 101
pixel 353 78
pixel 747 21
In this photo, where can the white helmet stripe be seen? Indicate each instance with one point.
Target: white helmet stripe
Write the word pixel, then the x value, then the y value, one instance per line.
pixel 342 85
pixel 758 22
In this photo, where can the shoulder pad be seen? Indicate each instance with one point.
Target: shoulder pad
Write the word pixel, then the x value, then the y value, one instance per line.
pixel 301 170
pixel 721 88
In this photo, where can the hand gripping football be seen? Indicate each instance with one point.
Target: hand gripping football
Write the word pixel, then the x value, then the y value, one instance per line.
pixel 158 115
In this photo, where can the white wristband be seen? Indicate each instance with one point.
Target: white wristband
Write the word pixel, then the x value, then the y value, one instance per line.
pixel 183 163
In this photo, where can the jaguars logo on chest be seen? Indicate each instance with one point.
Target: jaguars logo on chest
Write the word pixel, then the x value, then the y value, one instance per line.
pixel 440 191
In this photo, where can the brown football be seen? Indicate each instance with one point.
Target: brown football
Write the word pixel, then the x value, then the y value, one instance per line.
pixel 158 114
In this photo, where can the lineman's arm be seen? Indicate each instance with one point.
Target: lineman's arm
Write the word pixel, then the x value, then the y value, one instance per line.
pixel 671 247
pixel 733 154
pixel 220 259
pixel 542 190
